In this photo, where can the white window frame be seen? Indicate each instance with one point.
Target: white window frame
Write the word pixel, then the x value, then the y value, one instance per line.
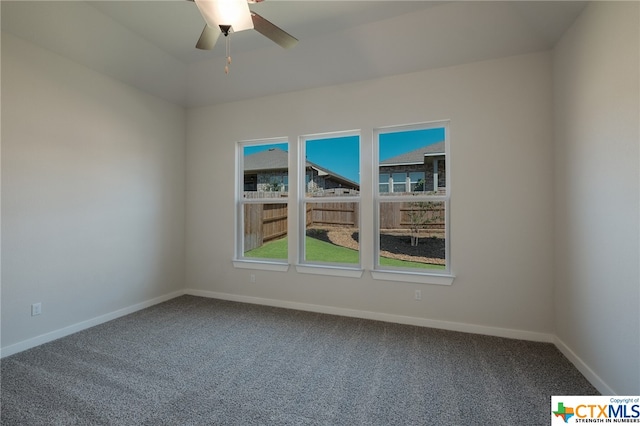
pixel 322 268
pixel 239 261
pixel 379 272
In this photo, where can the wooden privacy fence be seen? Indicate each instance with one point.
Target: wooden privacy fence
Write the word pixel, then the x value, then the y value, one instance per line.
pixel 429 216
pixel 262 223
pixel 267 222
pixel 332 214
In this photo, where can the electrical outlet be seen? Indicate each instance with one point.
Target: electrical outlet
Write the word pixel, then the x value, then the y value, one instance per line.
pixel 36 309
pixel 253 278
pixel 418 295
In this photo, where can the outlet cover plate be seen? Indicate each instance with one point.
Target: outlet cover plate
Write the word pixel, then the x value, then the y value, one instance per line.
pixel 36 309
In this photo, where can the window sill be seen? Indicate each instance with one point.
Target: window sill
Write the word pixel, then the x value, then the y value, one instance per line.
pixel 261 265
pixel 330 270
pixel 412 277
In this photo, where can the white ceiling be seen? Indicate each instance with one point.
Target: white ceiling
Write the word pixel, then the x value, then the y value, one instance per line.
pixel 150 44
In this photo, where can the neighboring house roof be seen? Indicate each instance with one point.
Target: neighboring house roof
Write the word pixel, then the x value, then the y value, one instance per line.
pixel 322 171
pixel 271 159
pixel 416 156
pixel 277 159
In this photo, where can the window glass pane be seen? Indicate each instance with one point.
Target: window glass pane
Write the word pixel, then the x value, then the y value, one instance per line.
pixel 265 169
pixel 333 166
pixel 399 182
pixel 412 235
pixel 331 233
pixel 265 231
pixel 262 207
pixel 384 182
pixel 418 154
pixel 398 188
pixel 417 181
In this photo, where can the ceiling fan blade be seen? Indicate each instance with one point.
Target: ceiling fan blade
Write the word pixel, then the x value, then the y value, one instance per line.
pixel 277 35
pixel 208 38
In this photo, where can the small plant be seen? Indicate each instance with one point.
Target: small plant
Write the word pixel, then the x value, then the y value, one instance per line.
pixel 274 186
pixel 419 218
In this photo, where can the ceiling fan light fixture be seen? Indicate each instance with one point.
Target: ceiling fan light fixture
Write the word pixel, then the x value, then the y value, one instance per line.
pixel 235 13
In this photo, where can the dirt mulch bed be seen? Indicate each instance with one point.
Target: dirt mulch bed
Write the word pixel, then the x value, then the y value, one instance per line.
pixel 392 245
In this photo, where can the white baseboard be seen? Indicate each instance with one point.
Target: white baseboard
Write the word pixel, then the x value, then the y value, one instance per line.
pixel 56 334
pixel 582 367
pixel 399 319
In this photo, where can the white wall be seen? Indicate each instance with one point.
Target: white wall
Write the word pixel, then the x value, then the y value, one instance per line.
pixel 596 93
pixel 501 207
pixel 93 176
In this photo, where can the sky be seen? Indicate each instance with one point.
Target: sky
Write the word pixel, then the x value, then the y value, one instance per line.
pixel 341 154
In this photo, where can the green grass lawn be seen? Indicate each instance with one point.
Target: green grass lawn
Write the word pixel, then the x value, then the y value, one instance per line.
pixel 386 261
pixel 276 249
pixel 321 251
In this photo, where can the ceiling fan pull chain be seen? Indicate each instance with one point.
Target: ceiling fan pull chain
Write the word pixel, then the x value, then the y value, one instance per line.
pixel 228 43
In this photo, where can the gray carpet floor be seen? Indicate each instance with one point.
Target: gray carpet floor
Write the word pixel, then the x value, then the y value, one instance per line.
pixel 199 361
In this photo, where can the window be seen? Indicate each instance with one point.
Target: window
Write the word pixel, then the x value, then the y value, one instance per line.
pixel 399 182
pixel 384 182
pixel 408 223
pixel 412 199
pixel 330 200
pixel 416 180
pixel 261 208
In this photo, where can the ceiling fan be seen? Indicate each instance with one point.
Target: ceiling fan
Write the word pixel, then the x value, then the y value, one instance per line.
pixel 226 16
